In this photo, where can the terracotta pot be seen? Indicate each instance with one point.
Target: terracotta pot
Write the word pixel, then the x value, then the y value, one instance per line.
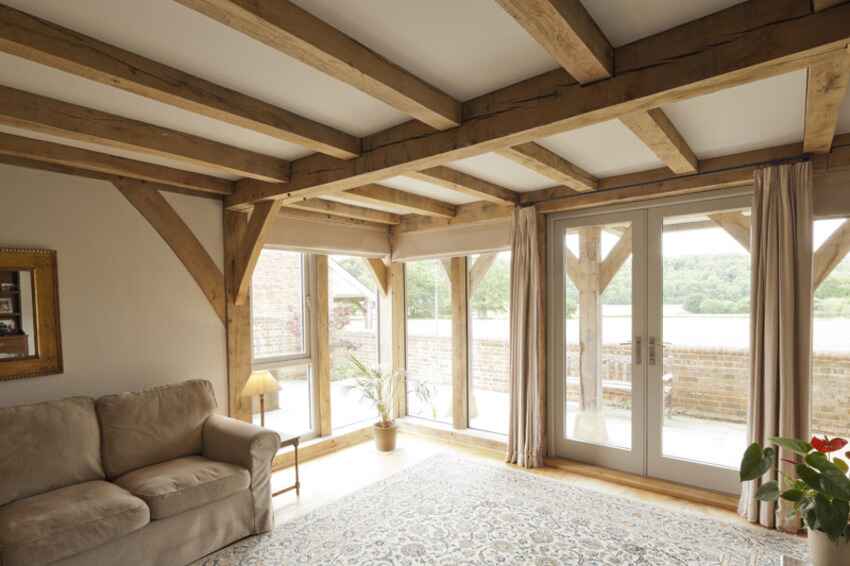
pixel 824 552
pixel 385 437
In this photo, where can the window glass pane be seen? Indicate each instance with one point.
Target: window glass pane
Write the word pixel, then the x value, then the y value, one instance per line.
pixel 489 335
pixel 353 332
pixel 830 398
pixel 277 305
pixel 288 411
pixel 429 340
pixel 705 347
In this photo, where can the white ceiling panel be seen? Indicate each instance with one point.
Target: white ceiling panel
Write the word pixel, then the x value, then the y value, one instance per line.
pixel 504 172
pixel 424 189
pixel 464 47
pixel 172 34
pixel 760 114
pixel 603 150
pixel 844 116
pixel 45 81
pixel 185 166
pixel 625 21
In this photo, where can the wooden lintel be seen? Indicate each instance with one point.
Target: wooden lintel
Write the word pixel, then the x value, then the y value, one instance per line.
pixel 262 219
pixel 180 238
pixel 831 253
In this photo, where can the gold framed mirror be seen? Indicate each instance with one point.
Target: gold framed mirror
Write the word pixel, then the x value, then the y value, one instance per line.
pixel 30 338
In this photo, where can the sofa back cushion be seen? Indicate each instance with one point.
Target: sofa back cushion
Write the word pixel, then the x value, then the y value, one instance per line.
pixel 46 446
pixel 153 426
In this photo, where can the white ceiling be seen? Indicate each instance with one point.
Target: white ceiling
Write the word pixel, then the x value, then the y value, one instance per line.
pixel 465 48
pixel 761 114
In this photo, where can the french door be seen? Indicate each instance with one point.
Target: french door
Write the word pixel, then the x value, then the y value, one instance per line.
pixel 649 338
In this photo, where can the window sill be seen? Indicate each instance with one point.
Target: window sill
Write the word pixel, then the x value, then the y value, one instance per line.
pixel 445 432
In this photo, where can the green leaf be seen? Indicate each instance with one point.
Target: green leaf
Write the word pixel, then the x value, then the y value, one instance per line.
pixel 768 491
pixel 831 516
pixel 756 462
pixel 833 482
pixel 840 464
pixel 792 495
pixel 792 444
pixel 809 476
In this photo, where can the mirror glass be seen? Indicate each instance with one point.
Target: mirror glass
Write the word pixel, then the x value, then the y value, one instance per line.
pixel 17 315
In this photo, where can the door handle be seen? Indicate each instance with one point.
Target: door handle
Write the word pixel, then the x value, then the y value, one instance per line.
pixel 652 350
pixel 638 353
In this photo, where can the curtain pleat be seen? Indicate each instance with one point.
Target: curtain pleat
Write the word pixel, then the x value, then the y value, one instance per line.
pixel 526 430
pixel 781 324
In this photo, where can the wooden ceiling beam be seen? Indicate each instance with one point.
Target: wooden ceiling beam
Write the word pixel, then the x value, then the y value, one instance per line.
pixel 21 109
pixel 826 87
pixel 289 212
pixel 409 202
pixel 49 44
pixel 347 211
pixel 568 33
pixel 658 133
pixel 549 164
pixel 471 213
pixel 455 180
pixel 282 25
pixel 744 43
pixel 50 152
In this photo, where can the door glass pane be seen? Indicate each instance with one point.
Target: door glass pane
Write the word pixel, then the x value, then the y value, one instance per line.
pixel 429 339
pixel 277 305
pixel 354 332
pixel 489 336
pixel 705 347
pixel 289 411
pixel 830 396
pixel 598 330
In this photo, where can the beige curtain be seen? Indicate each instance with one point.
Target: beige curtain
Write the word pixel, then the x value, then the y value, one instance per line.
pixel 781 323
pixel 525 433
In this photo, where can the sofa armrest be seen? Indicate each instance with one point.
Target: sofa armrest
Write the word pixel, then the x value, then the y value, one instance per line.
pixel 247 445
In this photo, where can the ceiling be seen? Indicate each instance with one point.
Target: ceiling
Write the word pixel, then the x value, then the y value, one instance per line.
pixel 465 48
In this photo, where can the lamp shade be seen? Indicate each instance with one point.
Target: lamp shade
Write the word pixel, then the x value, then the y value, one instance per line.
pixel 260 383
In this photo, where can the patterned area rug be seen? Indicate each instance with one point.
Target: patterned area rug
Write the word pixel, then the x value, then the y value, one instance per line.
pixel 452 511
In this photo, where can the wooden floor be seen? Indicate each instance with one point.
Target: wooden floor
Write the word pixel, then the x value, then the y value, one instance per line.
pixel 331 477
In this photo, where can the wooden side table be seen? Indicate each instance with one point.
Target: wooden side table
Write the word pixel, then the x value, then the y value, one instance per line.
pixel 291 441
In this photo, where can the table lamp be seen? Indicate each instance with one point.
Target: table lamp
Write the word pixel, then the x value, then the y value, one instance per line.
pixel 260 383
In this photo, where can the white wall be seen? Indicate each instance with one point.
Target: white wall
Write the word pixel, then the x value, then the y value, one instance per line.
pixel 131 314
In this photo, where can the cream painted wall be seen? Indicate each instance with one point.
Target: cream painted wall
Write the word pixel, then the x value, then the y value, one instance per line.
pixel 131 314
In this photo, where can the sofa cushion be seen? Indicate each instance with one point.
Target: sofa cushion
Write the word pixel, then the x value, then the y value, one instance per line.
pixel 47 446
pixel 64 522
pixel 179 485
pixel 153 426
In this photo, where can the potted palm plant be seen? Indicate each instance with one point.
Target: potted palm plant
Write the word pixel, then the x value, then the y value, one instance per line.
pixel 820 492
pixel 383 389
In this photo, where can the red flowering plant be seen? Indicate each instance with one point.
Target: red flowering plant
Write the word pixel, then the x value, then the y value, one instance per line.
pixel 821 489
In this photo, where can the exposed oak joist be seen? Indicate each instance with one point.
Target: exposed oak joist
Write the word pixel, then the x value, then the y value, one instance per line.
pixel 262 219
pixel 831 252
pixel 467 184
pixel 466 214
pixel 568 33
pixel 291 30
pixel 826 88
pixel 549 164
pixel 289 212
pixel 164 219
pixel 39 113
pixel 50 152
pixel 408 202
pixel 347 211
pixel 658 133
pixel 49 44
pixel 744 43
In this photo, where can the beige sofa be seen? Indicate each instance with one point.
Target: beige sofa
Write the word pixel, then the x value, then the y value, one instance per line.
pixel 150 478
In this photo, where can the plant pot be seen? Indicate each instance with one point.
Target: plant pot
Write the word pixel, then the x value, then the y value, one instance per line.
pixel 385 437
pixel 825 552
